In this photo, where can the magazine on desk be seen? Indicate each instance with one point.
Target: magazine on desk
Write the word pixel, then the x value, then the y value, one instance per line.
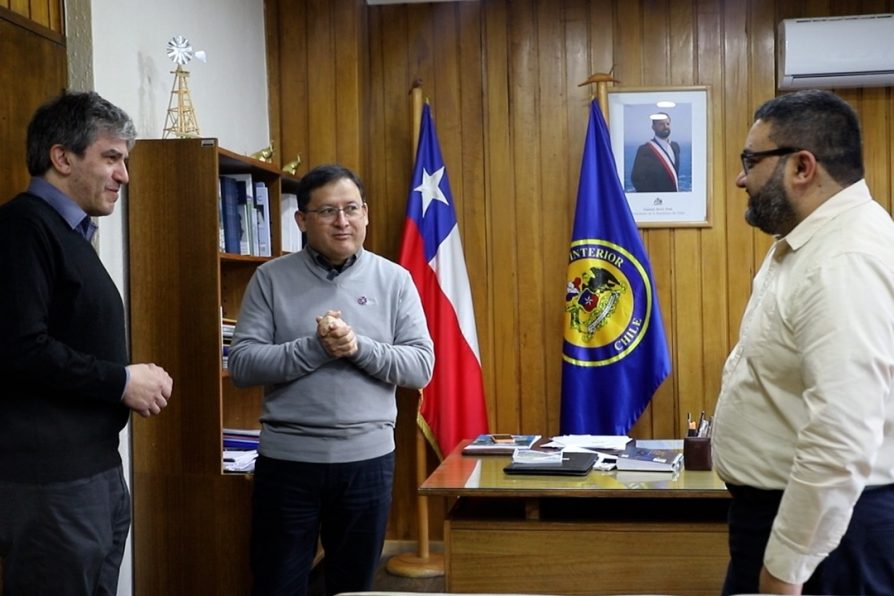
pixel 499 444
pixel 652 460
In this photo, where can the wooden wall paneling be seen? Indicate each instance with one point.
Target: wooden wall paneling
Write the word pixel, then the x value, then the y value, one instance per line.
pixel 472 187
pixel 553 202
pixel 499 176
pixel 726 83
pixel 740 97
pixel 376 185
pixel 293 65
pixel 322 85
pixel 502 77
pixel 703 63
pixel 764 87
pixel 673 398
pixel 525 94
pixel 33 63
pixel 275 55
pixel 393 166
pixel 628 39
pixel 55 16
pixel 874 106
pixel 397 162
pixel 40 12
pixel 21 7
pixel 660 242
pixel 646 38
pixel 349 34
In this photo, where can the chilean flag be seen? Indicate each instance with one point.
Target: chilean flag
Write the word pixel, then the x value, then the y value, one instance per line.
pixel 452 407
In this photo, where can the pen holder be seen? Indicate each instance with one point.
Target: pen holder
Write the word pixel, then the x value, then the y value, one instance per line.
pixel 697 453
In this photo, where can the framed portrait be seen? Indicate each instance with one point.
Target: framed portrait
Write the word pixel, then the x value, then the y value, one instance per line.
pixel 660 141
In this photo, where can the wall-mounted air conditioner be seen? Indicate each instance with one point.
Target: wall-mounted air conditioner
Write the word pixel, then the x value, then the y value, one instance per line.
pixel 853 51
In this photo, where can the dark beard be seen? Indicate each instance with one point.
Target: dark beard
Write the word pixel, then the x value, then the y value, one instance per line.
pixel 663 134
pixel 769 209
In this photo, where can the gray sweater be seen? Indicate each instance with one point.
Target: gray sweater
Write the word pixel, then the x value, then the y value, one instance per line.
pixel 318 408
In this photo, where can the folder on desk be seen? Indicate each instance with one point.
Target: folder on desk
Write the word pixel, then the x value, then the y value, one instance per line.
pixel 572 464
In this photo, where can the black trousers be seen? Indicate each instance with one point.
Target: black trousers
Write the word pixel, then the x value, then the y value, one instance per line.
pixel 64 538
pixel 863 563
pixel 345 504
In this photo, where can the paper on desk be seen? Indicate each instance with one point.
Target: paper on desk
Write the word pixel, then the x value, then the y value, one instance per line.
pixel 530 456
pixel 590 442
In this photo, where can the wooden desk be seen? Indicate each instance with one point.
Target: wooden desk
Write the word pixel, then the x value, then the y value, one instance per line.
pixel 604 533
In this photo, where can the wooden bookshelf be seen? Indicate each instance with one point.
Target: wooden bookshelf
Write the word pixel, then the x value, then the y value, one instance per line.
pixel 191 521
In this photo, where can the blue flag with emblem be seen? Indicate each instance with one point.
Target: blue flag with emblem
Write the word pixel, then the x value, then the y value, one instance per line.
pixel 615 351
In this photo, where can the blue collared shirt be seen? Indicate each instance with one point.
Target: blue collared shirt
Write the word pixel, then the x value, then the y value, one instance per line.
pixel 70 211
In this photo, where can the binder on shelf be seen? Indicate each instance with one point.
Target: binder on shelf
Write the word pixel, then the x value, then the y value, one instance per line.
pixel 248 244
pixel 262 205
pixel 231 214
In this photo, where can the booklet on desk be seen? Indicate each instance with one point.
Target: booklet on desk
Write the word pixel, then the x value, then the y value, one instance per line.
pixel 576 463
pixel 499 444
pixel 652 460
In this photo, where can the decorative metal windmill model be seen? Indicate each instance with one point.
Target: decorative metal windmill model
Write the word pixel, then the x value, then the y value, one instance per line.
pixel 181 118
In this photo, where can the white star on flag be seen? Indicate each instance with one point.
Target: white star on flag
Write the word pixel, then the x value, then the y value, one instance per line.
pixel 431 188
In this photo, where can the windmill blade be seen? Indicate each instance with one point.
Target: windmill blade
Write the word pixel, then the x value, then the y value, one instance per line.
pixel 179 50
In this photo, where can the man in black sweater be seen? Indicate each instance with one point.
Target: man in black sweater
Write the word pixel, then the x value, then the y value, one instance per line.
pixel 68 388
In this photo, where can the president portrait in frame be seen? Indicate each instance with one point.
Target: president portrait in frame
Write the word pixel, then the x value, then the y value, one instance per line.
pixel 659 140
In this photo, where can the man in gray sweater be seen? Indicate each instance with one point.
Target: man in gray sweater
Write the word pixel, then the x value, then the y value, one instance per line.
pixel 330 332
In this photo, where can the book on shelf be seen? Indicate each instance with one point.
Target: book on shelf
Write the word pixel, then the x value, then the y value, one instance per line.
pixel 241 438
pixel 291 234
pixel 499 444
pixel 262 205
pixel 231 214
pixel 248 244
pixel 227 328
pixel 652 460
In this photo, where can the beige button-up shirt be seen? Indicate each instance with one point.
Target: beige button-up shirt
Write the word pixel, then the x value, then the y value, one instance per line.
pixel 806 400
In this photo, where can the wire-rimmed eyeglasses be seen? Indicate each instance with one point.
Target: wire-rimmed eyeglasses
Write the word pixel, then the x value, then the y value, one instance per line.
pixel 329 213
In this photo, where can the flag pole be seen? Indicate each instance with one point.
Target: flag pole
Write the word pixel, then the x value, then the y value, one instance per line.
pixel 424 563
pixel 601 80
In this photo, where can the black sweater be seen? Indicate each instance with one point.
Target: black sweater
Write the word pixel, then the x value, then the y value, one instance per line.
pixel 62 350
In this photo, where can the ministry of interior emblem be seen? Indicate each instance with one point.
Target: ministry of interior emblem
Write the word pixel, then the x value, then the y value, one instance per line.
pixel 608 300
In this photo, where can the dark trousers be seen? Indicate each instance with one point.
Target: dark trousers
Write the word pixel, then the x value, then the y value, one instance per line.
pixel 862 563
pixel 64 538
pixel 345 504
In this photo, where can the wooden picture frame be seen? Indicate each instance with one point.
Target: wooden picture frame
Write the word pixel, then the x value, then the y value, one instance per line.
pixel 671 188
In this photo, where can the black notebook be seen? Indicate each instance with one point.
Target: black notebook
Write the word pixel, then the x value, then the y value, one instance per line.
pixel 573 464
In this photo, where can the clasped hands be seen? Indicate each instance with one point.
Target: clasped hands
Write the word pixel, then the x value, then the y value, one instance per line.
pixel 337 337
pixel 148 389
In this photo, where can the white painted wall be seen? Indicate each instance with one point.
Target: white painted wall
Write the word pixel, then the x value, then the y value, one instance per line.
pixel 117 47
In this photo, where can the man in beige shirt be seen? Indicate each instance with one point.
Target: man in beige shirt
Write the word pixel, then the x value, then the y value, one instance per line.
pixel 804 428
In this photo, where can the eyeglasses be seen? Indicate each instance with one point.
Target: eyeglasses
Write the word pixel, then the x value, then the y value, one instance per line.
pixel 752 158
pixel 329 214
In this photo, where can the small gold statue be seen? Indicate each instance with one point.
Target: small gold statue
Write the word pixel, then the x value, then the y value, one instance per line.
pixel 292 166
pixel 265 154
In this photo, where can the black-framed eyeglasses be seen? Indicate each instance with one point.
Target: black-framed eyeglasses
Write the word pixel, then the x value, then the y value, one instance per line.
pixel 752 158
